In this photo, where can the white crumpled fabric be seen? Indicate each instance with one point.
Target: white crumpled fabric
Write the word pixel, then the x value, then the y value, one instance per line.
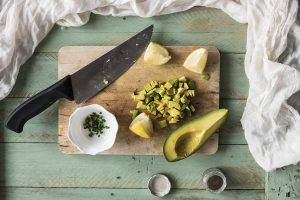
pixel 272 127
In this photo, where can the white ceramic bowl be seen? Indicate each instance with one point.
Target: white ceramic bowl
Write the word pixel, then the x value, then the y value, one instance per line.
pixel 79 136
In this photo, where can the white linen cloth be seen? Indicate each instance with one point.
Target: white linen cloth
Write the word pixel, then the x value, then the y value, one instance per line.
pixel 272 127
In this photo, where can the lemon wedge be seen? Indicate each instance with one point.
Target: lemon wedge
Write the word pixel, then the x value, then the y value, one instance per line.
pixel 156 54
pixel 142 126
pixel 196 60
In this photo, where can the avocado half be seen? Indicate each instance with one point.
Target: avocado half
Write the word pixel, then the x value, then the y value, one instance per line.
pixel 188 138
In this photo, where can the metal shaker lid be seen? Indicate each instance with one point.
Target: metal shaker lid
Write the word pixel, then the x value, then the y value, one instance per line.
pixel 159 185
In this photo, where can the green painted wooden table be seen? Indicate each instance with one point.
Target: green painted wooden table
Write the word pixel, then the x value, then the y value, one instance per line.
pixel 32 167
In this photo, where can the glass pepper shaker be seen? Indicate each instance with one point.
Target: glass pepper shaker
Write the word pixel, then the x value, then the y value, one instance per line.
pixel 214 180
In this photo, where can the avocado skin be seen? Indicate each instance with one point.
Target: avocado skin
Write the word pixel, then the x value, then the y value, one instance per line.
pixel 191 124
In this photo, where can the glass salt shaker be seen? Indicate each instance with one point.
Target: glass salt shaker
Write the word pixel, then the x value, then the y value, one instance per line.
pixel 214 180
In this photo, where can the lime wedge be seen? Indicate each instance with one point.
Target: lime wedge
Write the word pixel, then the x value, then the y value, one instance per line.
pixel 196 60
pixel 156 54
pixel 142 126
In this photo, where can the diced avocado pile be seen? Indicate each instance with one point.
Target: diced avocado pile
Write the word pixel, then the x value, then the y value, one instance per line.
pixel 168 102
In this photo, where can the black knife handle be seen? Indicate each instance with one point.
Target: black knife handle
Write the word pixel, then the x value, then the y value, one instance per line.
pixel 38 103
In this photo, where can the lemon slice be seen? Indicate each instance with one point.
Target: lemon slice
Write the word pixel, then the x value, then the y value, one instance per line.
pixel 142 126
pixel 156 54
pixel 196 60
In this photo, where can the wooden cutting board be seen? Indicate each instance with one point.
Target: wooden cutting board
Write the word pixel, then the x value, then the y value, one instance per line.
pixel 115 98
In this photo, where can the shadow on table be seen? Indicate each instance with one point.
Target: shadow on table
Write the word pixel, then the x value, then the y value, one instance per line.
pixel 3 193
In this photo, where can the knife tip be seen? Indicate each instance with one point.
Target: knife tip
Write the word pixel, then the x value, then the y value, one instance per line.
pixel 150 27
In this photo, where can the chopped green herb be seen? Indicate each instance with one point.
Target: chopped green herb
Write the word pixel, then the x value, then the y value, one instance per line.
pixel 205 76
pixel 95 123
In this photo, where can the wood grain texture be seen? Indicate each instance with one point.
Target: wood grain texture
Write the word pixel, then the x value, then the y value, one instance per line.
pixel 197 19
pixel 234 83
pixel 38 73
pixel 43 165
pixel 43 128
pixel 232 132
pixel 117 100
pixel 284 183
pixel 230 43
pixel 122 194
pixel 41 69
pixel 198 26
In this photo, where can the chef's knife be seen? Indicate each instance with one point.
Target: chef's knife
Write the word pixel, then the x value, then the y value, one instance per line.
pixel 86 82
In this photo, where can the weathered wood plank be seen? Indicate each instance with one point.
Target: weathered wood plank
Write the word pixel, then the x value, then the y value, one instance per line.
pixel 234 83
pixel 199 26
pixel 42 165
pixel 44 127
pixel 121 194
pixel 231 43
pixel 284 183
pixel 232 132
pixel 40 71
pixel 197 19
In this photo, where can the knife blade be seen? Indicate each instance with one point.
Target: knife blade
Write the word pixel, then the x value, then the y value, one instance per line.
pixel 109 66
pixel 86 82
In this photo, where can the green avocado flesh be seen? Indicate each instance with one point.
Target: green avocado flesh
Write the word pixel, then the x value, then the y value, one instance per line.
pixel 187 139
